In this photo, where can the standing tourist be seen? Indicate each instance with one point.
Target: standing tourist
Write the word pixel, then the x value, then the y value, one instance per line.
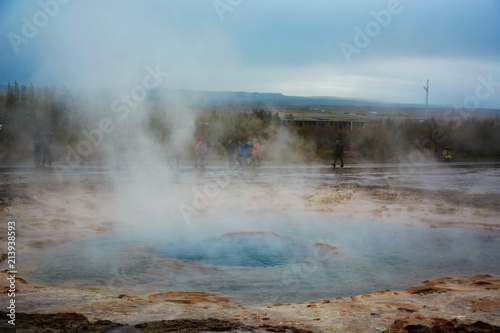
pixel 338 153
pixel 255 152
pixel 199 154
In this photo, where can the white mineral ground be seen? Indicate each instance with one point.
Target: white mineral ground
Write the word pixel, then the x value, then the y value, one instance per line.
pixel 50 212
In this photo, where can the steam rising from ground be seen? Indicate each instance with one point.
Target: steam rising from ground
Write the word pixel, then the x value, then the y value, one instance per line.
pixel 123 60
pixel 287 147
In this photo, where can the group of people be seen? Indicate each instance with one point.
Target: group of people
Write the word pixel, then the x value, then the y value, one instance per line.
pixel 247 153
pixel 243 153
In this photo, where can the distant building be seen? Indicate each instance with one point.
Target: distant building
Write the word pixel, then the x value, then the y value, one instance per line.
pixel 337 123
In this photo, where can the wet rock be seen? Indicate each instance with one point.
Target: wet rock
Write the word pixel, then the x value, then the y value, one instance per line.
pixel 425 290
pixel 190 325
pixel 407 310
pixel 486 304
pixel 78 323
pixel 212 325
pixel 128 297
pixel 326 248
pixel 55 323
pixel 280 329
pixel 188 297
pixel 439 325
pixel 482 283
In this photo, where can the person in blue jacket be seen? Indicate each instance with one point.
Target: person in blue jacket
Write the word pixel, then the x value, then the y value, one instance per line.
pixel 241 153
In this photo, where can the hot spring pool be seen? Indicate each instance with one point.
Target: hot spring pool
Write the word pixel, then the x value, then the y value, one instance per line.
pixel 268 258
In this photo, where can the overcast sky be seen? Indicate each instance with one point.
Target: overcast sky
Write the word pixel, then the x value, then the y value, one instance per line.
pixel 383 50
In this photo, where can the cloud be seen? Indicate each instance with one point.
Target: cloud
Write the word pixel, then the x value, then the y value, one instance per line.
pixel 109 44
pixel 395 80
pixel 279 46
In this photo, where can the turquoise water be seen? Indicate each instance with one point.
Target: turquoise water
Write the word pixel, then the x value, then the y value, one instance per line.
pixel 245 249
pixel 268 258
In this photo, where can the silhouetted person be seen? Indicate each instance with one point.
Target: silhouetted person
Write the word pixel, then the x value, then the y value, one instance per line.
pixel 46 144
pixel 255 153
pixel 38 151
pixel 248 152
pixel 241 153
pixel 338 153
pixel 230 149
pixel 199 153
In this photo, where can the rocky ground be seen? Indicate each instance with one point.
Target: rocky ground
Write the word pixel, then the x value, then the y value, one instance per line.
pixel 49 211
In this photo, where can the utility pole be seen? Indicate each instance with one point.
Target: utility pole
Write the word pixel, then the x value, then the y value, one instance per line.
pixel 426 88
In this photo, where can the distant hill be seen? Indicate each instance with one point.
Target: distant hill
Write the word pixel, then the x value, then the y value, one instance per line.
pixel 219 98
pixel 196 97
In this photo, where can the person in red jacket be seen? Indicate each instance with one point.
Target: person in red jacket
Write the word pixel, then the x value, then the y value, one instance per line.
pixel 199 154
pixel 255 153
